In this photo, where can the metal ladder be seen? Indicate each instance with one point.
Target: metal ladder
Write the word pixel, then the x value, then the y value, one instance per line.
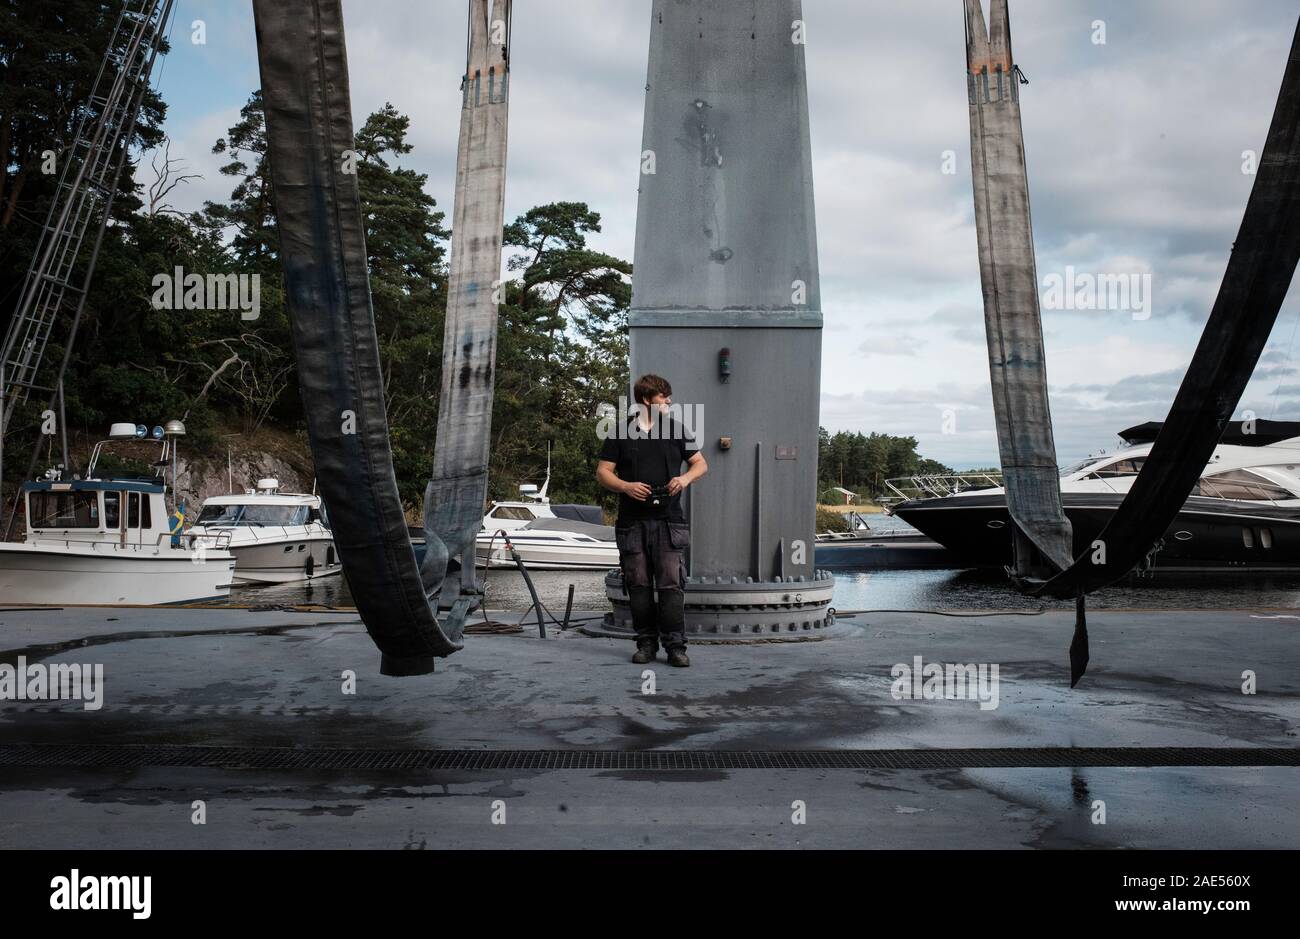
pixel 84 196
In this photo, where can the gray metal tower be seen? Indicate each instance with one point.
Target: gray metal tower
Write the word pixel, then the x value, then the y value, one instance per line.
pixel 726 304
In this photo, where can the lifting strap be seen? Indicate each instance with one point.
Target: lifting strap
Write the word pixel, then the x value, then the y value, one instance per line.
pixel 303 61
pixel 1042 538
pixel 1256 281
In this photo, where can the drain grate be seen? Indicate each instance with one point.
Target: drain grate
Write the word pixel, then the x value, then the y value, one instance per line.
pixel 283 758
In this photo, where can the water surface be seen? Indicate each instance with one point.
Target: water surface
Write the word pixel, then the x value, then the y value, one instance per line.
pixel 878 590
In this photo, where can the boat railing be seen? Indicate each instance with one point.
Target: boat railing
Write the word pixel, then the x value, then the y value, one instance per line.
pixel 261 532
pixel 856 522
pixel 216 541
pixel 934 486
pixel 220 540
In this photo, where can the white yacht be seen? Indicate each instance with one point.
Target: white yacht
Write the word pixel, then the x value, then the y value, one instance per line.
pixel 546 535
pixel 109 541
pixel 276 537
pixel 1243 513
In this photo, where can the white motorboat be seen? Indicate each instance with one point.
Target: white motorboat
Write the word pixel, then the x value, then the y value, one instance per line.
pixel 276 537
pixel 546 535
pixel 109 541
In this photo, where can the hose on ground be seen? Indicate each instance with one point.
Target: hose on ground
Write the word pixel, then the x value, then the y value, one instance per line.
pixel 1038 612
pixel 569 622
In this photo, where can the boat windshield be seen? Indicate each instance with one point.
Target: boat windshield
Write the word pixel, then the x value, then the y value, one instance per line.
pixel 1076 467
pixel 64 509
pixel 253 515
pixel 514 512
pixel 1127 467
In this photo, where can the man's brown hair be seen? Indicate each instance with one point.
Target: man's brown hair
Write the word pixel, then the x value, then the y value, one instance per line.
pixel 647 386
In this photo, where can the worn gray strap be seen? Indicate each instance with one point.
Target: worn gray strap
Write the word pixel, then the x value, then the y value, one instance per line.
pixel 1011 316
pixel 454 499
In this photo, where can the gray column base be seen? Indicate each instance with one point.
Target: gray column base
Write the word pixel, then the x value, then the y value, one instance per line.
pixel 726 609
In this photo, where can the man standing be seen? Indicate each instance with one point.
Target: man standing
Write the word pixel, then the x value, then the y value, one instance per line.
pixel 642 465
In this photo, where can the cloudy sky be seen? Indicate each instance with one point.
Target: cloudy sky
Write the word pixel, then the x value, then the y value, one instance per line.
pixel 1136 148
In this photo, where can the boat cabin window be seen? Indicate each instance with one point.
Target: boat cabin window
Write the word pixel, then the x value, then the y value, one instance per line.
pixel 255 515
pixel 1243 485
pixel 516 512
pixel 64 509
pixel 112 510
pixel 137 510
pixel 1129 467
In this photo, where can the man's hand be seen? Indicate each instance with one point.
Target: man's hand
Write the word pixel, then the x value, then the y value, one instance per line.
pixel 638 491
pixel 677 484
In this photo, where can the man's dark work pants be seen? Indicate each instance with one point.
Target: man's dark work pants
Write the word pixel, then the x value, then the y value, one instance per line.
pixel 650 552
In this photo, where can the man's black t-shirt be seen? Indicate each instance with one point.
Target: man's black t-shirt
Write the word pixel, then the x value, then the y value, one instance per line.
pixel 641 458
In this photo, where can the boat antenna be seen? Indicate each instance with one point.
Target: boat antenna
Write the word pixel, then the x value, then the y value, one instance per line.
pixel 541 495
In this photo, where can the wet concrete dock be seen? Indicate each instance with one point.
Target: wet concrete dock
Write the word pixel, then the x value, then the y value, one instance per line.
pixel 263 682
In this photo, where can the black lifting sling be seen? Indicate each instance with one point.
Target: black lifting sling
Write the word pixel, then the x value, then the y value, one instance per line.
pixel 303 62
pixel 1256 281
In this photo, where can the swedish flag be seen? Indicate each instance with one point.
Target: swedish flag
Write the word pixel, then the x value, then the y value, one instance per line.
pixel 177 524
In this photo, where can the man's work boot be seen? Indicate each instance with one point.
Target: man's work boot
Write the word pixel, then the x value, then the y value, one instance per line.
pixel 677 657
pixel 645 652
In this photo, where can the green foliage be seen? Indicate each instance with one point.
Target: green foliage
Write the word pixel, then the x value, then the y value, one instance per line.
pixel 862 463
pixel 562 342
pixel 404 235
pixel 830 521
pixel 561 352
pixel 50 54
pixel 249 217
